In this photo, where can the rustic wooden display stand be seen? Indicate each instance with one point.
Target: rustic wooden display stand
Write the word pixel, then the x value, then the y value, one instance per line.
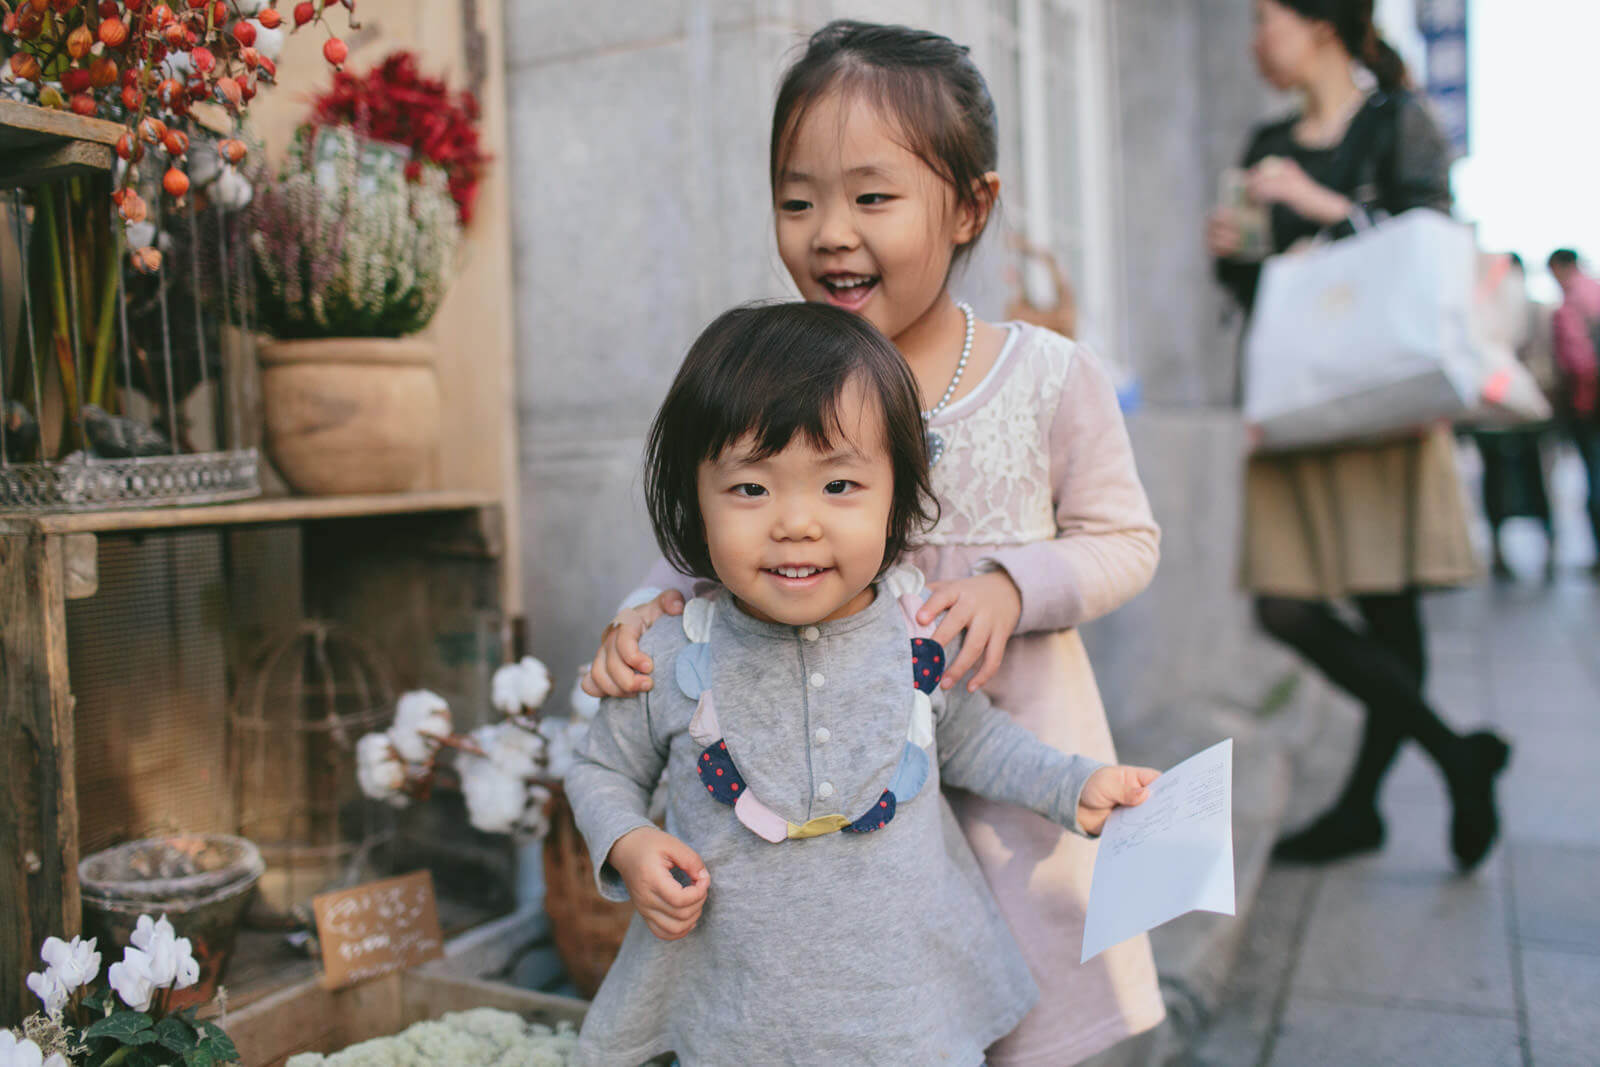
pixel 388 566
pixel 394 568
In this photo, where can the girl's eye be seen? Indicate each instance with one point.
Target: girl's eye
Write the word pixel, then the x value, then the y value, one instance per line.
pixel 749 489
pixel 873 199
pixel 794 205
pixel 839 485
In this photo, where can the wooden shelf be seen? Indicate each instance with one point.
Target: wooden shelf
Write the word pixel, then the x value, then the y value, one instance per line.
pixel 249 512
pixel 41 144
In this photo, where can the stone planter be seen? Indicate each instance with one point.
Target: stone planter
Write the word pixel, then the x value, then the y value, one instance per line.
pixel 350 415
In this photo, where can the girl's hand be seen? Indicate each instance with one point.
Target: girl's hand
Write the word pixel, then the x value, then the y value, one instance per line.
pixel 645 859
pixel 1112 787
pixel 987 607
pixel 619 668
pixel 1276 180
pixel 1223 238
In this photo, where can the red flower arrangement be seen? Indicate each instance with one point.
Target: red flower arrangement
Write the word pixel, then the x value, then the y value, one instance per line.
pixel 394 102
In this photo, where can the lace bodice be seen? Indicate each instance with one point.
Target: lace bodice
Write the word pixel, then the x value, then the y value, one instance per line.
pixel 994 481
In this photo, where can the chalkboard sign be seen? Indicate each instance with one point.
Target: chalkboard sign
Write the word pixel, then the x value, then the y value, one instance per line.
pixel 376 928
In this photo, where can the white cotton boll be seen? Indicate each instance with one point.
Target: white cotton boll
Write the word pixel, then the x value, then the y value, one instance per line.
pixel 141 234
pixel 495 799
pixel 420 715
pixel 565 737
pixel 520 687
pixel 131 979
pixel 48 987
pixel 584 706
pixel 379 769
pixel 204 163
pixel 232 190
pixel 176 65
pixel 268 42
pixel 75 963
pixel 517 751
pixel 535 820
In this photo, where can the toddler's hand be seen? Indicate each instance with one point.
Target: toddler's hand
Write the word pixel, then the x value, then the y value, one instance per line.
pixel 619 668
pixel 645 858
pixel 987 607
pixel 1112 787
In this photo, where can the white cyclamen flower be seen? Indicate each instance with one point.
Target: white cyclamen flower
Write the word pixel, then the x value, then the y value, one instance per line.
pixel 75 963
pixel 495 800
pixel 50 990
pixel 584 706
pixel 131 979
pixel 20 1052
pixel 165 958
pixel 520 687
pixel 419 715
pixel 379 769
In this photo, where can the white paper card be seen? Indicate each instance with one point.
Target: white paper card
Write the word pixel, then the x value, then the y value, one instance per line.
pixel 1171 855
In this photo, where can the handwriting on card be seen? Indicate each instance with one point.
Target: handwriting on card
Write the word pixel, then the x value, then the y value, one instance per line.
pixel 376 928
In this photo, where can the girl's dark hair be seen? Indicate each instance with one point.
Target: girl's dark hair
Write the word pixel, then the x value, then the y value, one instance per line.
pixel 1352 21
pixel 773 371
pixel 924 83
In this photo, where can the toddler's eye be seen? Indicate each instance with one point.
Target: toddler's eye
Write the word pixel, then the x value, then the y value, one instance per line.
pixel 793 205
pixel 749 489
pixel 873 199
pixel 840 485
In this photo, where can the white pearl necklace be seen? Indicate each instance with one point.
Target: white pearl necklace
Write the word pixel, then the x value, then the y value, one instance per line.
pixel 935 442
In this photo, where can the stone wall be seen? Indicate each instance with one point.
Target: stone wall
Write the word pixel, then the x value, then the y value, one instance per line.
pixel 638 136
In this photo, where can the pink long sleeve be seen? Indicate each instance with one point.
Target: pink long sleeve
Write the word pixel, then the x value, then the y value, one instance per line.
pixel 1574 347
pixel 1107 542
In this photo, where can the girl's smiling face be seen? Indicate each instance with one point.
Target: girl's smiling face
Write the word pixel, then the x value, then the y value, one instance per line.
pixel 862 222
pixel 798 537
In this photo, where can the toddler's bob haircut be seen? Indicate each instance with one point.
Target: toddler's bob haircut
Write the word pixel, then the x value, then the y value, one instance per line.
pixel 771 371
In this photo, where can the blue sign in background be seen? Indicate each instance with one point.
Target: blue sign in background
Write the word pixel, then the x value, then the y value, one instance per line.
pixel 1444 28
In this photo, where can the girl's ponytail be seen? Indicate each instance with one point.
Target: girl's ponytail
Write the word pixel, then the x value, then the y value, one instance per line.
pixel 1353 21
pixel 1379 56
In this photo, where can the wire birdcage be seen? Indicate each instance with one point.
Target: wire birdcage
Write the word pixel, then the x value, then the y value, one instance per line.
pixel 114 388
pixel 297 715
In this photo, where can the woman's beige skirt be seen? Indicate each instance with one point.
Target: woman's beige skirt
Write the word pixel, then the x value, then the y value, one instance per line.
pixel 1369 519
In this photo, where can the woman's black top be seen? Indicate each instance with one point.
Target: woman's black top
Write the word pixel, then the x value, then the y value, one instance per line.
pixel 1392 158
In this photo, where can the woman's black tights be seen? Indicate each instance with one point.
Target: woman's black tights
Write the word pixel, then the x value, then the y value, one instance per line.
pixel 1383 665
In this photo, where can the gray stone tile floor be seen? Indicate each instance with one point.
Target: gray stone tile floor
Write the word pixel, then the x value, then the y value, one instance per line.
pixel 1395 959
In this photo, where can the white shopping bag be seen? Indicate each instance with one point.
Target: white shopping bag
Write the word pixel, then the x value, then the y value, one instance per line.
pixel 1365 338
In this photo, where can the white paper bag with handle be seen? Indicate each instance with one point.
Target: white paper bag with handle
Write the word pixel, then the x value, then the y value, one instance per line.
pixel 1365 338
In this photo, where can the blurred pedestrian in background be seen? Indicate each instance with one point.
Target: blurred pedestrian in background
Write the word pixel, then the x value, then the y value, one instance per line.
pixel 1514 467
pixel 1374 524
pixel 1575 329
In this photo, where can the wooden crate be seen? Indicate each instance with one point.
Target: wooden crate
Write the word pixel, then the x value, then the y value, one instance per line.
pixel 309 1018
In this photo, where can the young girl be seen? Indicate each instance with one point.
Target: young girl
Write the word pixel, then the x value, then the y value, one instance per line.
pixel 811 901
pixel 883 176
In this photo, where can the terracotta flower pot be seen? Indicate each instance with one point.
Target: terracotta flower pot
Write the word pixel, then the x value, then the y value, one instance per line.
pixel 350 414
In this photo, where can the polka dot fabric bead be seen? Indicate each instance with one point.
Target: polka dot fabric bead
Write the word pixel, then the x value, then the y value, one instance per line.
pixel 927 663
pixel 720 776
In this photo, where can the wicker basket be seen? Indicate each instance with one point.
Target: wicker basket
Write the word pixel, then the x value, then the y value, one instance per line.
pixel 587 928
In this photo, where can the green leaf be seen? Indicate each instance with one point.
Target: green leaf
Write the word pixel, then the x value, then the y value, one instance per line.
pixel 199 1057
pixel 96 1002
pixel 120 1026
pixel 218 1043
pixel 176 1034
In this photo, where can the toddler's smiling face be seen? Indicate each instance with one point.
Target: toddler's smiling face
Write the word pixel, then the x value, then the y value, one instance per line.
pixel 798 537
